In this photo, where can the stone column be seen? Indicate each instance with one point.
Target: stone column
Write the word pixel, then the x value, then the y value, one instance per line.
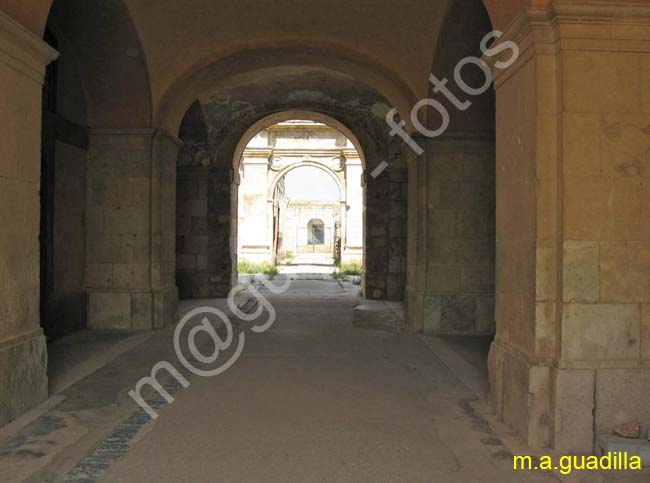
pixel 131 217
pixel 452 190
pixel 23 356
pixel 352 214
pixel 570 358
pixel 256 241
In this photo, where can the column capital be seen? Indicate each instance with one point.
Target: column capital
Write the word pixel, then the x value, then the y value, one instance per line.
pixel 22 50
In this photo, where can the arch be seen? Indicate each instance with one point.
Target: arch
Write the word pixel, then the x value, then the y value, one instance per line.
pixel 104 43
pixel 465 24
pixel 283 116
pixel 282 173
pixel 256 62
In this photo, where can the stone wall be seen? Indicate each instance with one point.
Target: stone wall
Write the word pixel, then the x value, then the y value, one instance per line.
pixel 67 311
pixel 192 276
pixel 131 206
pixel 203 251
pixel 385 218
pixel 453 191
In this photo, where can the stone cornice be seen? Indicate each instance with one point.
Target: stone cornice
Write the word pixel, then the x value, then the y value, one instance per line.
pixel 302 152
pixel 597 25
pixel 635 11
pixel 22 50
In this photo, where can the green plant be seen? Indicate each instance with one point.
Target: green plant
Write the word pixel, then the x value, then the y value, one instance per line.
pixel 289 256
pixel 353 268
pixel 250 268
pixel 339 276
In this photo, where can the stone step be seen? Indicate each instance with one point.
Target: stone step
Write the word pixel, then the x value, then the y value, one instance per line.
pixel 609 443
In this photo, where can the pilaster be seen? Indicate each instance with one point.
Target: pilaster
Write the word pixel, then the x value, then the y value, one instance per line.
pixel 131 217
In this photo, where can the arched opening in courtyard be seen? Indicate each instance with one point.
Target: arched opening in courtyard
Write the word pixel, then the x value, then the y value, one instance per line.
pixel 300 200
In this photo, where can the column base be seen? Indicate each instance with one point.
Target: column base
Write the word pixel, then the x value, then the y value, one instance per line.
pixel 521 393
pixel 451 313
pixel 132 310
pixel 23 379
pixel 565 408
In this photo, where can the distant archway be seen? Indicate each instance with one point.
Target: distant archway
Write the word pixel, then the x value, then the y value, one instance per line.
pixel 273 119
pixel 272 223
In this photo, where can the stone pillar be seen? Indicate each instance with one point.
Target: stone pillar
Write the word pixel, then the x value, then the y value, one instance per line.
pixel 256 240
pixel 23 356
pixel 417 240
pixel 352 214
pixel 131 217
pixel 451 287
pixel 570 357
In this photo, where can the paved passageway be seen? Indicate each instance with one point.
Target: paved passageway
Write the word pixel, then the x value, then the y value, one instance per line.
pixel 316 399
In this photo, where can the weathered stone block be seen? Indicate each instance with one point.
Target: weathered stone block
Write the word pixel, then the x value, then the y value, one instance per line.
pixel 581 282
pixel 586 207
pixel 480 279
pixel 126 221
pixel 131 275
pixel 600 332
pixel 141 311
pixel 625 142
pixel 196 244
pixel 606 74
pixel 582 144
pixel 99 275
pixel 109 310
pixel 458 313
pixel 183 225
pixel 574 406
pixel 23 376
pixel 443 278
pixel 611 408
pixel 624 268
